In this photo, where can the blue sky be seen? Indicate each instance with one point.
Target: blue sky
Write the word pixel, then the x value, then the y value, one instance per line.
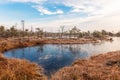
pixel 50 14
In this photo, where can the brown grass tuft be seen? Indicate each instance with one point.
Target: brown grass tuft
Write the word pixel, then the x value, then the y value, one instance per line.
pixel 101 67
pixel 15 69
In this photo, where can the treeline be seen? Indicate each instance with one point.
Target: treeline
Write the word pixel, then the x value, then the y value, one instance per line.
pixel 13 32
pixel 62 33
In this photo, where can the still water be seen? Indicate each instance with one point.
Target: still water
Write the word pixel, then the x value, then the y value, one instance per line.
pixel 55 56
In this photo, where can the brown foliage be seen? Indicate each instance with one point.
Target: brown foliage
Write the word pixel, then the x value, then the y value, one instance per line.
pixel 101 67
pixel 95 68
pixel 15 69
pixel 12 43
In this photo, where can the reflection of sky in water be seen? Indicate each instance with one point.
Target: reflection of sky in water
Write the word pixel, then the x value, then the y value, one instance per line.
pixel 53 57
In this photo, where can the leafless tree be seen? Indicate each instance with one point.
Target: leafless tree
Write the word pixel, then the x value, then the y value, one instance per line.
pixel 62 31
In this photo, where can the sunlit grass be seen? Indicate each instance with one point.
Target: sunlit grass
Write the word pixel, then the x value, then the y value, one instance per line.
pixel 95 68
pixel 15 69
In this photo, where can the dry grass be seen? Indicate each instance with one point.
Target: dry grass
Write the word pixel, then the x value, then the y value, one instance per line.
pixel 8 44
pixel 69 41
pixel 101 67
pixel 11 44
pixel 15 69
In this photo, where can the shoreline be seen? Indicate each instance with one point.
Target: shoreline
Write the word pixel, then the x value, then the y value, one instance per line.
pixel 79 68
pixel 100 67
pixel 9 44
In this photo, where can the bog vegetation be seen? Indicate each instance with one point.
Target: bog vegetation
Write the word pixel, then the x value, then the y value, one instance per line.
pixel 62 33
pixel 102 67
pixel 15 69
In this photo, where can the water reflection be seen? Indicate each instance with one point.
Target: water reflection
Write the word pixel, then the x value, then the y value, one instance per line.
pixel 53 57
pixel 40 48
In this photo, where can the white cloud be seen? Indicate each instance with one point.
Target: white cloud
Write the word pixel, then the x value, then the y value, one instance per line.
pixel 76 10
pixel 85 6
pixel 59 12
pixel 46 11
pixel 39 6
pixel 43 10
pixel 91 7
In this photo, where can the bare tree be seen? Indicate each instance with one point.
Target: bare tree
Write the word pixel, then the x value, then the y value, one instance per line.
pixel 62 31
pixel 23 23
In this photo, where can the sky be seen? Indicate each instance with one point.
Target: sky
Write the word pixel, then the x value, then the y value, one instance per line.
pixel 51 14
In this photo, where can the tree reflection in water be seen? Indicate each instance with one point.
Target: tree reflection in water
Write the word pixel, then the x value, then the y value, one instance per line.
pixel 40 48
